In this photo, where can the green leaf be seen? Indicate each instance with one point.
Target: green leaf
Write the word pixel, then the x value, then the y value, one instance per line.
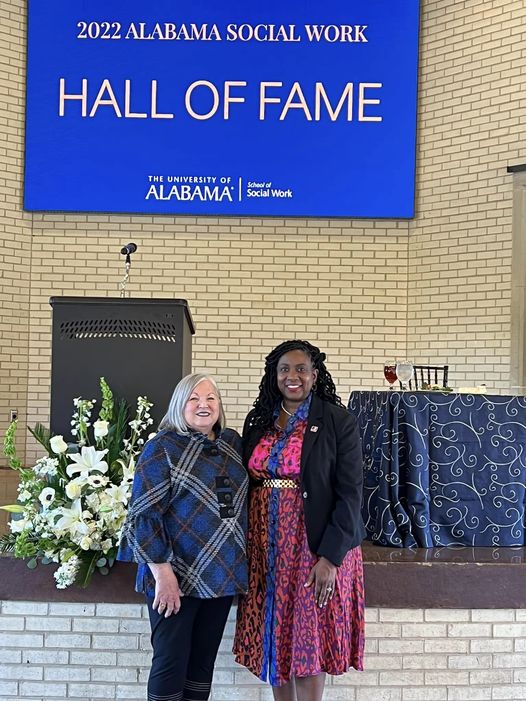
pixel 7 543
pixel 86 569
pixel 117 432
pixel 13 508
pixel 9 446
pixel 106 411
pixel 43 436
pixel 26 545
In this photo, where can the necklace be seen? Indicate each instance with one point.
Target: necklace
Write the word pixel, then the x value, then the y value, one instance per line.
pixel 286 412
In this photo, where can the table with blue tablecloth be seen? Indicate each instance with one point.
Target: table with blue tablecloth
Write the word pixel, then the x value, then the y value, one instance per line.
pixel 443 469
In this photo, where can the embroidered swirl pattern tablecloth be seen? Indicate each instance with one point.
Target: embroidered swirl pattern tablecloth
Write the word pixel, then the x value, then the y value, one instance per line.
pixel 443 469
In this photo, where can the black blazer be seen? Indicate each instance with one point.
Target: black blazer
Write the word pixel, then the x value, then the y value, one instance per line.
pixel 331 478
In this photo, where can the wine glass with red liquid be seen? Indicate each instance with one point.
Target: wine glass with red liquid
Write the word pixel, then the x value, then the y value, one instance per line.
pixel 390 373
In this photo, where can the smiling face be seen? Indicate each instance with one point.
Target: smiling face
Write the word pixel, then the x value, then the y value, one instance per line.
pixel 201 411
pixel 295 377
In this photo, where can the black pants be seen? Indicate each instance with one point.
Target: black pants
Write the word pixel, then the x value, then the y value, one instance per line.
pixel 185 647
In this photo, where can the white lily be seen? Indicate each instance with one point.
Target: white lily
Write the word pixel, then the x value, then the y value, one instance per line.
pixel 118 493
pixel 71 520
pixel 87 460
pixel 128 471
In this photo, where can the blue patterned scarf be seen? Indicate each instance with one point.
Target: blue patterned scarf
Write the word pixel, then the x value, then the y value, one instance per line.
pixel 300 415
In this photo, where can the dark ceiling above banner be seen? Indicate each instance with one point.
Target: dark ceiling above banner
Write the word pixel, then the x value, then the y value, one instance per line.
pixel 277 109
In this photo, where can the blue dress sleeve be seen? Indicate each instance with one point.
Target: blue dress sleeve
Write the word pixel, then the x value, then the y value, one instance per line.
pixel 144 538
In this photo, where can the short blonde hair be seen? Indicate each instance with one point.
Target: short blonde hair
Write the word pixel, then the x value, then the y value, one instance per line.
pixel 174 418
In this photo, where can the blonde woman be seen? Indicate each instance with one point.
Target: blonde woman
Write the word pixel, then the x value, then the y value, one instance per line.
pixel 186 528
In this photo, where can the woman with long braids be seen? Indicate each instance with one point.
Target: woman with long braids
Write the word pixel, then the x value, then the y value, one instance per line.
pixel 303 614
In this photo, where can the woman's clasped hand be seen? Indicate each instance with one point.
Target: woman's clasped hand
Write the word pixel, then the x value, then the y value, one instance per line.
pixel 167 599
pixel 323 577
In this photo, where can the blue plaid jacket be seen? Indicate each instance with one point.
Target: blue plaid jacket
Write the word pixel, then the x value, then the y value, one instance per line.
pixel 188 507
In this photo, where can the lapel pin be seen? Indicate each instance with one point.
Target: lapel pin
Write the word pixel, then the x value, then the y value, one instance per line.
pixel 313 429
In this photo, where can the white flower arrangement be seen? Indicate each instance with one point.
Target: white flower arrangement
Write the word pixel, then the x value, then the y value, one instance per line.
pixel 72 504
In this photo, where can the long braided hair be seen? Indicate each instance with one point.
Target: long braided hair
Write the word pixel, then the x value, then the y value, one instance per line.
pixel 269 394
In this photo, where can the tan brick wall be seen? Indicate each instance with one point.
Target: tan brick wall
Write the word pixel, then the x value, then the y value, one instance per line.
pixel 8 494
pixel 15 225
pixel 250 284
pixel 102 651
pixel 471 127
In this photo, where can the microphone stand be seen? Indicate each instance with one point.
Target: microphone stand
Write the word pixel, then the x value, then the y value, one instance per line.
pixel 125 280
pixel 127 250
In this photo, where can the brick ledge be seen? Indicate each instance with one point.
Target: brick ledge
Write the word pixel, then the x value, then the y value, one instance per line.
pixel 394 578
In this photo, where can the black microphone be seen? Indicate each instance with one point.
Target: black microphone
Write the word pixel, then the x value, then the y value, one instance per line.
pixel 129 248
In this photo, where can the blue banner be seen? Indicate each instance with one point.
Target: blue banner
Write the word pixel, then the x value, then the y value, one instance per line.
pixel 294 108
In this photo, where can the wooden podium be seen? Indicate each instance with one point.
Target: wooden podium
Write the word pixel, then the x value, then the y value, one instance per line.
pixel 140 346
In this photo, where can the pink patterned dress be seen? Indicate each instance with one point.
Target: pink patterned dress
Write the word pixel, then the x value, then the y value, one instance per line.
pixel 281 633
